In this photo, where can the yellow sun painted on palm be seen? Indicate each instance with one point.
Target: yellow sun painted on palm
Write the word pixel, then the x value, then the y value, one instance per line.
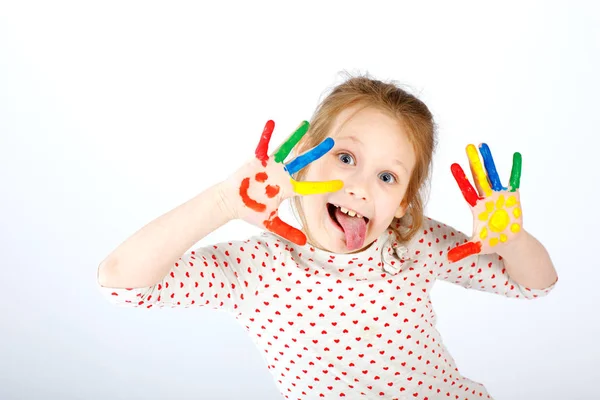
pixel 496 209
pixel 497 214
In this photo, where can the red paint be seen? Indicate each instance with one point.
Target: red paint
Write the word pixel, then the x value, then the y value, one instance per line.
pixel 464 250
pixel 271 191
pixel 261 176
pixel 248 201
pixel 263 145
pixel 465 186
pixel 276 225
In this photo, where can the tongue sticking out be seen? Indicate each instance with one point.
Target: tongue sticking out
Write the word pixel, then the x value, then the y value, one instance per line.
pixel 354 228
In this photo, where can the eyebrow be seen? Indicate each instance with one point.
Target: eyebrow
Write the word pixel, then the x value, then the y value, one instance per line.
pixel 353 138
pixel 357 140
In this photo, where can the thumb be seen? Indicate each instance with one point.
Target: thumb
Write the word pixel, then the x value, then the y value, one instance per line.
pixel 279 227
pixel 464 250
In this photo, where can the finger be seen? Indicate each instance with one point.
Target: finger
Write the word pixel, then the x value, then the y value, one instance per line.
pixel 463 251
pixel 479 174
pixel 277 226
pixel 515 174
pixel 313 154
pixel 305 188
pixel 262 149
pixel 287 146
pixel 465 186
pixel 476 182
pixel 490 167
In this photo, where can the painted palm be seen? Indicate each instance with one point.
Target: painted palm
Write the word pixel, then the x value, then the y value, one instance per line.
pixel 265 181
pixel 496 209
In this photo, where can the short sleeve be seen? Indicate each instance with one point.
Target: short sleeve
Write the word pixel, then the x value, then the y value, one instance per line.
pixel 485 272
pixel 223 276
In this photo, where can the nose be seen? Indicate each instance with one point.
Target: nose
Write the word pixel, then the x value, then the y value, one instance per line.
pixel 356 192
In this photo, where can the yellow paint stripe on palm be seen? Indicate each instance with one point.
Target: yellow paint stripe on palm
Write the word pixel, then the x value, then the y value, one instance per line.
pixel 305 188
pixel 477 167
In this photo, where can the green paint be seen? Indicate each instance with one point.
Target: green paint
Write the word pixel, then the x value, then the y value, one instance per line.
pixel 285 149
pixel 515 175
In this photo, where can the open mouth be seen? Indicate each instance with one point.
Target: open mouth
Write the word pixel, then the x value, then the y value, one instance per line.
pixel 332 208
pixel 351 224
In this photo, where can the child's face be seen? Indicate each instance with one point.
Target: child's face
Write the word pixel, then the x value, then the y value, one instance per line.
pixel 374 158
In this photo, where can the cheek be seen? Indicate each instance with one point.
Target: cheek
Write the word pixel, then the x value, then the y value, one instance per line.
pixel 319 170
pixel 313 205
pixel 388 205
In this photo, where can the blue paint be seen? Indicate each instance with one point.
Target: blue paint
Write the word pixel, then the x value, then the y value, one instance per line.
pixel 490 167
pixel 313 154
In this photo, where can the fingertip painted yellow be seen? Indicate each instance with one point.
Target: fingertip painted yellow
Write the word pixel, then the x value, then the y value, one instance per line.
pixel 480 175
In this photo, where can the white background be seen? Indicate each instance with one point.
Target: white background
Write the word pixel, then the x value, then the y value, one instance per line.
pixel 114 112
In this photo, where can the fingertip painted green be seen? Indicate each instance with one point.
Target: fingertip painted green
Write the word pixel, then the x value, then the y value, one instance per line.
pixel 285 149
pixel 515 175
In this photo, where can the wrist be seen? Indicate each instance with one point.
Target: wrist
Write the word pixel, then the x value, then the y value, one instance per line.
pixel 226 199
pixel 520 241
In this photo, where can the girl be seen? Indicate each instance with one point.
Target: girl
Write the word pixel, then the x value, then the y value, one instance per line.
pixel 340 308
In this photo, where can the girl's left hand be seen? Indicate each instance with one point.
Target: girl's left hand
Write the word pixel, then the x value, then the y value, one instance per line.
pixel 496 209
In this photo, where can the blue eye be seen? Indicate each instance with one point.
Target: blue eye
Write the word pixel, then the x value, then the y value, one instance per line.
pixel 387 177
pixel 346 158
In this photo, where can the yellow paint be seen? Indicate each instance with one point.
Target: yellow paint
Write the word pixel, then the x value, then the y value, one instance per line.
pixel 500 202
pixel 305 188
pixel 483 234
pixel 501 210
pixel 477 167
pixel 499 221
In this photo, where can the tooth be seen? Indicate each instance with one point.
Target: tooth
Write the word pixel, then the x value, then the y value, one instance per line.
pixel 351 213
pixel 358 215
pixel 344 210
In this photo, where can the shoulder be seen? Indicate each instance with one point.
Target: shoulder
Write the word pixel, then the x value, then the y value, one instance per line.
pixel 434 232
pixel 259 246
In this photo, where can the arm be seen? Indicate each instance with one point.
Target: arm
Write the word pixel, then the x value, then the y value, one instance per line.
pixel 148 255
pixel 148 269
pixel 148 266
pixel 527 262
pixel 224 276
pixel 484 272
pixel 498 232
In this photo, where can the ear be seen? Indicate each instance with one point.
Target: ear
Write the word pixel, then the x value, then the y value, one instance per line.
pixel 401 209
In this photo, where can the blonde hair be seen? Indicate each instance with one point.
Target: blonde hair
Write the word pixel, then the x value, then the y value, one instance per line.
pixel 414 116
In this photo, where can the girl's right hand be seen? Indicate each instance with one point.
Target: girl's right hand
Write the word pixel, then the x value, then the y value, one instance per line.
pixel 255 191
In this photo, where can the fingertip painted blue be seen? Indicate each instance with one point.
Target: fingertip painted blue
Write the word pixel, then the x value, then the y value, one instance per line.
pixel 313 154
pixel 490 167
